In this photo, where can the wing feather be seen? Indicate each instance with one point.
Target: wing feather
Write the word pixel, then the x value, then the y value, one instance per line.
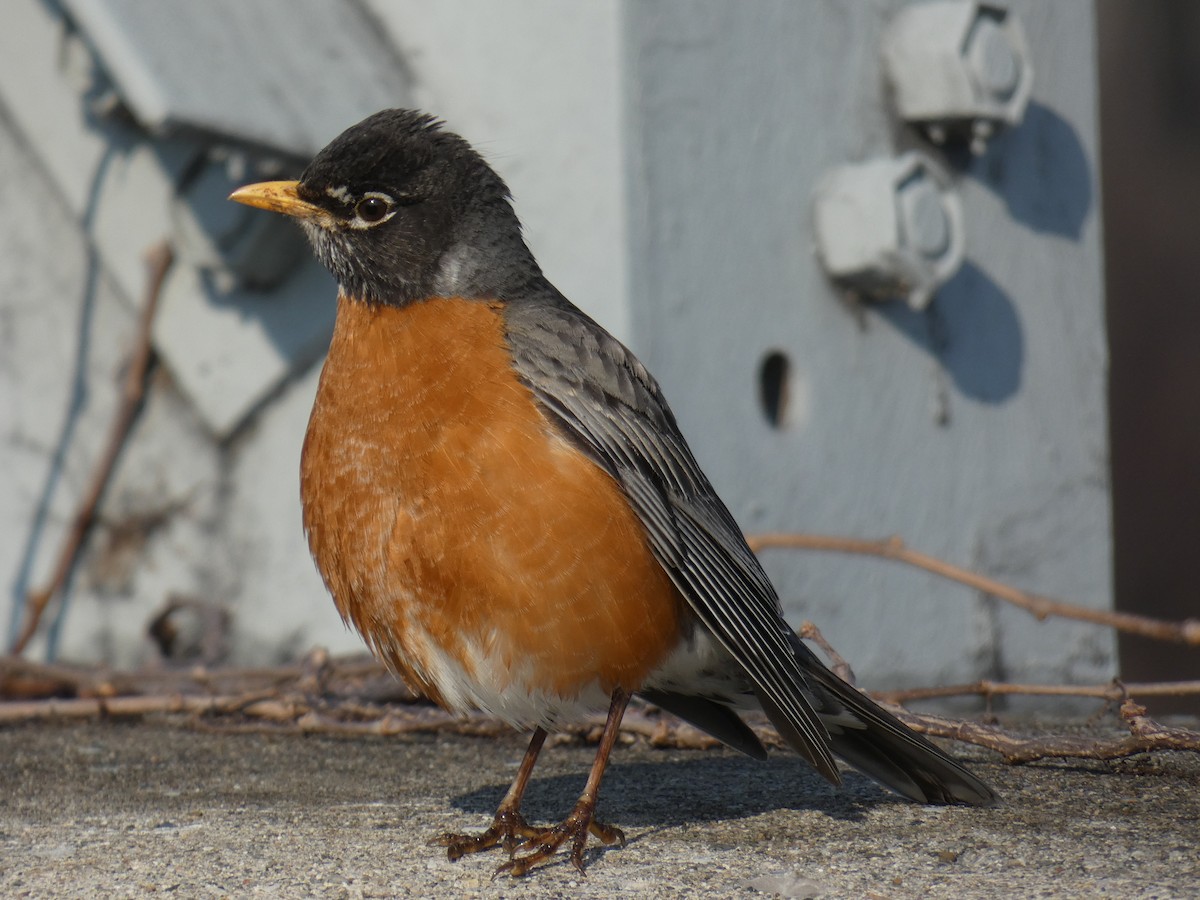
pixel 607 403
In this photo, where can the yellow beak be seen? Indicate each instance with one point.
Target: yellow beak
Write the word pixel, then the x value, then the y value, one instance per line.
pixel 281 197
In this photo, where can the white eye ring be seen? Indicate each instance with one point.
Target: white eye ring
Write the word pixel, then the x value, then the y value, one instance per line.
pixel 373 208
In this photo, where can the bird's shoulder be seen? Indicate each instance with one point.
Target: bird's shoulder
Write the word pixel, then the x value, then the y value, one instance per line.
pixel 558 348
pixel 602 397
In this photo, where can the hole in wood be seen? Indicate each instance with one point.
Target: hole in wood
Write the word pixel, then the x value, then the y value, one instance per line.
pixel 773 377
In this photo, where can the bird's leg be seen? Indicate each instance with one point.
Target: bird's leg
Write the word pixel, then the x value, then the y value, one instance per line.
pixel 509 827
pixel 582 820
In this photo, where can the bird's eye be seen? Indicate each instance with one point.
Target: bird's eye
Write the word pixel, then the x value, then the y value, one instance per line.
pixel 373 208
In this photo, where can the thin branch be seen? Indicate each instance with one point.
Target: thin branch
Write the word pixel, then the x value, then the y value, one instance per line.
pixel 22 679
pixel 158 261
pixel 1185 632
pixel 121 707
pixel 841 668
pixel 1114 691
pixel 1145 736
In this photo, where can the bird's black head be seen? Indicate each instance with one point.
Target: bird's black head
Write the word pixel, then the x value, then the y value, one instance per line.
pixel 399 209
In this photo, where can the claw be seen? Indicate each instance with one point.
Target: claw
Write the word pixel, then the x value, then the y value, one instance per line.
pixel 574 828
pixel 508 830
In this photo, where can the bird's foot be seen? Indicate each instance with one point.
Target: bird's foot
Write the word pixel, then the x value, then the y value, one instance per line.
pixel 508 830
pixel 575 828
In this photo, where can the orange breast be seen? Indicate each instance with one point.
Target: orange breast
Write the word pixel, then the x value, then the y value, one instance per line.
pixel 476 550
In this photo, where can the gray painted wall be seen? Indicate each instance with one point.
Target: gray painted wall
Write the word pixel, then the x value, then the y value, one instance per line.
pixel 663 157
pixel 976 430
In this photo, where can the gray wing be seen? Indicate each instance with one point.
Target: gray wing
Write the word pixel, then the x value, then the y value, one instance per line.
pixel 606 401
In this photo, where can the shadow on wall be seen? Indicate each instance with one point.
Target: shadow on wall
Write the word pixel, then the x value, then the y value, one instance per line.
pixel 1041 172
pixel 972 329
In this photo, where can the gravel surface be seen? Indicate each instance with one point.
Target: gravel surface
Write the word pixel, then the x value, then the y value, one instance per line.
pixel 131 810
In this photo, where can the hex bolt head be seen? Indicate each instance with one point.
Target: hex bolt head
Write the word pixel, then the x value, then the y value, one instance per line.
pixel 957 68
pixel 992 58
pixel 889 227
pixel 921 216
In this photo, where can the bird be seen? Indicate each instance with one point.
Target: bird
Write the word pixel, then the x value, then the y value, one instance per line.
pixel 500 501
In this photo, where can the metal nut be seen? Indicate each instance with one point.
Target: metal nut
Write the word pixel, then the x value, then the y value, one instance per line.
pixel 889 227
pixel 958 68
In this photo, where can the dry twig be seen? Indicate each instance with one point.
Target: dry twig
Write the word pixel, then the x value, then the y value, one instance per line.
pixel 158 261
pixel 1115 691
pixel 841 668
pixel 1185 632
pixel 1145 736
pixel 358 676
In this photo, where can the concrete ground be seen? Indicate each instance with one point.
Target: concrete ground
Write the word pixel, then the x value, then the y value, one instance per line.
pixel 131 810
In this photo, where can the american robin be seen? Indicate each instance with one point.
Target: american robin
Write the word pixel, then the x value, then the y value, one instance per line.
pixel 501 503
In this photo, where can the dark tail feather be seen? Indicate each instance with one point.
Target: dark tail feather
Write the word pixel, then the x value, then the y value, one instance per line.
pixel 884 747
pixel 858 730
pixel 797 739
pixel 707 715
